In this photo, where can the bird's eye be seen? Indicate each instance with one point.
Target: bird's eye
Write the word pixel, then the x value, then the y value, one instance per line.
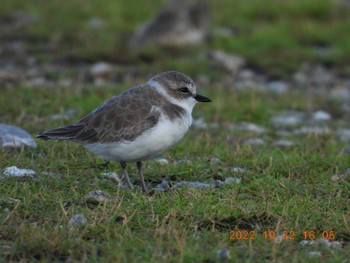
pixel 184 90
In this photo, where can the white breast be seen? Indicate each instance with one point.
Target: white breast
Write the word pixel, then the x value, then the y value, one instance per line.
pixel 149 144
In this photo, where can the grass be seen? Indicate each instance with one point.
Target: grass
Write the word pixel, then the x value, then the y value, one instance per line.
pixel 288 189
pixel 292 31
pixel 283 189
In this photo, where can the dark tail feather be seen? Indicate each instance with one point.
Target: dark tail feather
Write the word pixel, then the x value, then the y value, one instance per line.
pixel 63 133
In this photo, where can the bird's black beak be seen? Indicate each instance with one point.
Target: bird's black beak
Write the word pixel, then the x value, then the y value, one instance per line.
pixel 201 98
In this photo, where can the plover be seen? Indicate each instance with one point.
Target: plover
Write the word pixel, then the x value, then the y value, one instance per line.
pixel 138 124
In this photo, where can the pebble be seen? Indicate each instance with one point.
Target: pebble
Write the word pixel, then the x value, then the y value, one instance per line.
pixel 283 143
pixel 232 180
pixel 223 255
pixel 64 115
pixel 214 160
pixel 101 70
pixel 9 202
pixel 199 185
pixel 78 220
pixel 12 136
pixel 163 186
pixel 321 116
pixel 113 177
pixel 97 196
pixel 337 177
pixel 248 127
pixel 13 171
pixel 314 254
pixel 161 161
pixel 312 130
pixel 238 170
pixel 254 142
pixel 200 124
pixel 279 87
pixel 343 135
pixel 230 63
pixel 288 119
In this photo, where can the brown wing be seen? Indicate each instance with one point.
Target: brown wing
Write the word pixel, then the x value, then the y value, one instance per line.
pixel 122 117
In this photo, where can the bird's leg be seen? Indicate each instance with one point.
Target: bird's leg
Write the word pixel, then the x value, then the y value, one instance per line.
pixel 139 166
pixel 125 172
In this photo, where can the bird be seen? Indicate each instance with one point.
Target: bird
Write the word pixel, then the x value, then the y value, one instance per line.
pixel 179 23
pixel 138 124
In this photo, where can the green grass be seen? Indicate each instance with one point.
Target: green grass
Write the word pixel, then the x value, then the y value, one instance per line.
pixel 289 189
pixel 274 37
pixel 283 189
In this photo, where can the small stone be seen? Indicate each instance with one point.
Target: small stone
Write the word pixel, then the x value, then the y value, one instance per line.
pixel 314 254
pixel 214 160
pixel 113 177
pixel 279 87
pixel 223 255
pixel 163 186
pixel 254 142
pixel 321 116
pixel 12 136
pixel 7 203
pixel 161 161
pixel 200 124
pixel 343 135
pixel 13 171
pixel 283 143
pixel 78 220
pixel 305 243
pixel 337 177
pixel 288 119
pixel 232 180
pixel 97 196
pixel 101 70
pixel 312 130
pixel 193 184
pixel 248 127
pixel 96 22
pixel 238 170
pixel 228 62
pixel 64 115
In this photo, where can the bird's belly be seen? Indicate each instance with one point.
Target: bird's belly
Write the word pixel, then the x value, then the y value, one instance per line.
pixel 149 144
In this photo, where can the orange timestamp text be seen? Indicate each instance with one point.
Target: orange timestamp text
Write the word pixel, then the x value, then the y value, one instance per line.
pixel 282 235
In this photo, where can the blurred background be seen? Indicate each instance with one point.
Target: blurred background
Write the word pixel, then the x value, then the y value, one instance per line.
pixel 270 44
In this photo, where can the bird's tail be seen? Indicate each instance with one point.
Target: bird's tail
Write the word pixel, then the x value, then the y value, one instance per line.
pixel 62 133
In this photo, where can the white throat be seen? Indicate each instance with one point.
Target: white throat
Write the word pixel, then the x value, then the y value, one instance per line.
pixel 187 104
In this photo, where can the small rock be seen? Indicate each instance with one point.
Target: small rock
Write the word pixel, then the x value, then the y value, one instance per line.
pixel 225 61
pixel 12 136
pixel 64 115
pixel 13 171
pixel 314 254
pixel 96 22
pixel 254 142
pixel 78 220
pixel 279 87
pixel 193 184
pixel 343 135
pixel 161 161
pixel 238 170
pixel 163 186
pixel 232 180
pixel 113 177
pixel 214 160
pixel 288 119
pixel 248 127
pixel 312 130
pixel 223 255
pixel 9 202
pixel 101 70
pixel 97 196
pixel 200 124
pixel 321 116
pixel 337 177
pixel 283 143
